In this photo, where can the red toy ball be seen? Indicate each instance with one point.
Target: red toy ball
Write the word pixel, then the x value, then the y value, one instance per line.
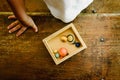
pixel 63 52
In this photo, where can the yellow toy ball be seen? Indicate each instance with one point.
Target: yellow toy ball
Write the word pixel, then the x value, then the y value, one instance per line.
pixel 63 39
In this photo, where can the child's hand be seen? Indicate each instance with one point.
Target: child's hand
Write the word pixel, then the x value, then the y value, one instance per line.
pixel 21 26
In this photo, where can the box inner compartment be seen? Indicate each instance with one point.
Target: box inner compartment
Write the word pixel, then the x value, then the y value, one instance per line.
pixel 56 43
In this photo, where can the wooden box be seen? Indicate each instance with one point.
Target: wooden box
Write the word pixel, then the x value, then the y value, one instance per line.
pixel 54 43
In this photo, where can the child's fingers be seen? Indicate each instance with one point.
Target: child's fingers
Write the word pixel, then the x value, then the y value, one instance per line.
pixel 13 24
pixel 35 28
pixel 12 17
pixel 15 28
pixel 21 31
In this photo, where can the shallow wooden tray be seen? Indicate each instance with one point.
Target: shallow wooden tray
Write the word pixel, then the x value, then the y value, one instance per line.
pixel 53 42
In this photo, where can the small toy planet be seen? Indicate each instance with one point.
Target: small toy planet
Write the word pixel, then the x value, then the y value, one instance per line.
pixel 55 51
pixel 70 38
pixel 63 52
pixel 57 55
pixel 63 39
pixel 77 44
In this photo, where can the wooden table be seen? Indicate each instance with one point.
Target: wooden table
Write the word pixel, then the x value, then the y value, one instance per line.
pixel 26 58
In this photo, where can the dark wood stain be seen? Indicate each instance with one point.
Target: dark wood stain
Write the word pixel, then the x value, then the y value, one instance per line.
pixel 26 58
pixel 99 6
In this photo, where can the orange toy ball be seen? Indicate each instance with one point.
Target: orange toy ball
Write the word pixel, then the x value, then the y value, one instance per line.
pixel 63 52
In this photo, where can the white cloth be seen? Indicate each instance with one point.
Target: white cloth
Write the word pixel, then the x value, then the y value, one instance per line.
pixel 66 10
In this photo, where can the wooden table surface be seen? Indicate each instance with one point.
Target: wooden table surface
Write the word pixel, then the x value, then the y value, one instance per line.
pixel 26 58
pixel 101 6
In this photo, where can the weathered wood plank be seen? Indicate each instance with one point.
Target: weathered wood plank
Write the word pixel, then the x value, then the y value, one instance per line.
pixel 100 6
pixel 26 58
pixel 36 6
pixel 104 6
pixel 4 6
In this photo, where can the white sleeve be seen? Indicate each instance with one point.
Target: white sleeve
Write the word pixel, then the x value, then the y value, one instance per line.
pixel 66 10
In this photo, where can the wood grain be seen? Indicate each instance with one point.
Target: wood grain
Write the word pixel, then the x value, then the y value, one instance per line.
pixel 26 58
pixel 100 6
